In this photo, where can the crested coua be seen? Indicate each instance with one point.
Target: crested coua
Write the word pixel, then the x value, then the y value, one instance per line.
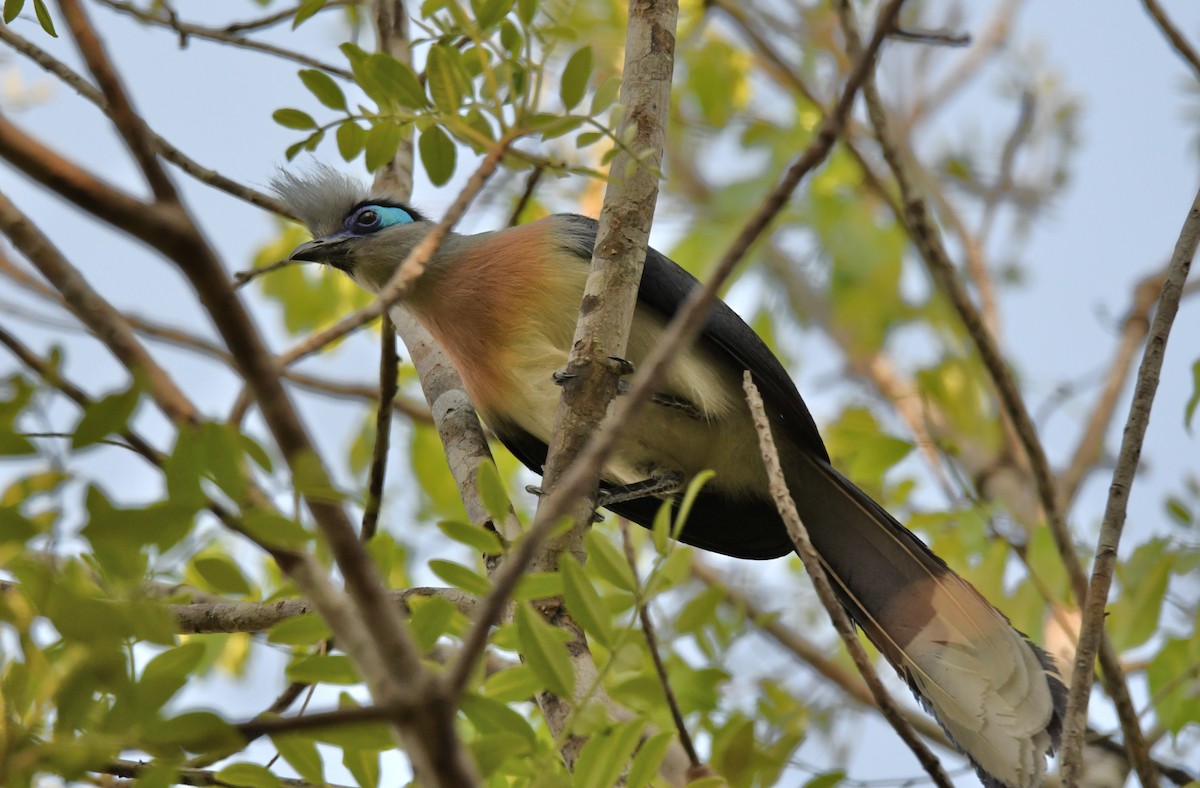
pixel 504 304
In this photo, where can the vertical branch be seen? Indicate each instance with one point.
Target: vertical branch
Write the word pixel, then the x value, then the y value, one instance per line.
pixel 812 563
pixel 685 738
pixel 610 296
pixel 1092 628
pixel 388 369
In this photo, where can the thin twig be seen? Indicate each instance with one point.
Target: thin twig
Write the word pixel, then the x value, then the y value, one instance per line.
pixel 531 184
pixel 134 769
pixel 201 618
pixel 812 563
pixel 243 278
pixel 1111 527
pixel 185 29
pixel 643 610
pixel 388 370
pixel 101 317
pixel 1173 34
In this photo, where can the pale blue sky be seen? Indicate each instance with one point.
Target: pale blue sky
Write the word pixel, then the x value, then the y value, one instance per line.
pixel 1133 180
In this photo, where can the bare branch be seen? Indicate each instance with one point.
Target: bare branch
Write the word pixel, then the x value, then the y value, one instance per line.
pixel 133 769
pixel 128 122
pixel 1092 628
pixel 812 563
pixel 388 369
pixel 1173 34
pixel 104 320
pixel 185 29
pixel 207 617
pixel 643 610
pixel 164 148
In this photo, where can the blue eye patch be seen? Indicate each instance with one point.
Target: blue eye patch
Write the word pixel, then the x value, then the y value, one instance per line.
pixel 369 218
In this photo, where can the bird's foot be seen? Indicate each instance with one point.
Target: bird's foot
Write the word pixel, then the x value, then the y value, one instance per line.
pixel 533 489
pixel 658 484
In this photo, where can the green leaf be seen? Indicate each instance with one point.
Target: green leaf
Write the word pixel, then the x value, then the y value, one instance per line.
pixel 605 95
pixel 430 619
pixel 689 499
pixel 489 716
pixel 43 17
pixel 583 602
pixel 1179 512
pixel 273 529
pixel 299 631
pixel 460 576
pixel 477 538
pixel 12 8
pixel 1174 683
pixel 324 88
pixel 382 141
pixel 512 685
pixel 221 574
pixel 1190 409
pixel 323 669
pixel 306 10
pixel 491 491
pixel 301 754
pixel 437 154
pixel 526 9
pixel 607 562
pixel 293 119
pixel 104 417
pixel 606 754
pixel 248 775
pixel 444 77
pixel 167 673
pixel 1133 617
pixel 195 731
pixel 538 585
pixel 543 649
pixel 575 77
pixel 700 611
pixel 397 81
pixel 223 458
pixel 492 12
pixel 828 780
pixel 649 757
pixel 350 139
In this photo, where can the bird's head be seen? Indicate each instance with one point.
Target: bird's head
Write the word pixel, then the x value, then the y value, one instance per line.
pixel 365 235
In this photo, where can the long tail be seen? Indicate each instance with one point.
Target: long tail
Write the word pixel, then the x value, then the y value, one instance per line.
pixel 997 695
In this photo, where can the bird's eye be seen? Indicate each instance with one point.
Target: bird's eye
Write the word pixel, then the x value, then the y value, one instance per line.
pixel 366 219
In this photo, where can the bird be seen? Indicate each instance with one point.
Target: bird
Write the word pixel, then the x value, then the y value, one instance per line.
pixel 504 304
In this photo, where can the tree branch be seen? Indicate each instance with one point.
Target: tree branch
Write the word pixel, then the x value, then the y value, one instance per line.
pixel 202 618
pixel 1092 629
pixel 812 563
pixel 224 36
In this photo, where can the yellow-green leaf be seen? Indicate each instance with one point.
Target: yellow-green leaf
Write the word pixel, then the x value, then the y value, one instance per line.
pixel 543 648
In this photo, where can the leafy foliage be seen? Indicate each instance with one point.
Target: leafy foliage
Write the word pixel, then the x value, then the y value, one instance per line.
pixel 99 664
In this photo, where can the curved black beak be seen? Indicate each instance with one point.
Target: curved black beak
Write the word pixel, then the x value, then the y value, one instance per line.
pixel 330 250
